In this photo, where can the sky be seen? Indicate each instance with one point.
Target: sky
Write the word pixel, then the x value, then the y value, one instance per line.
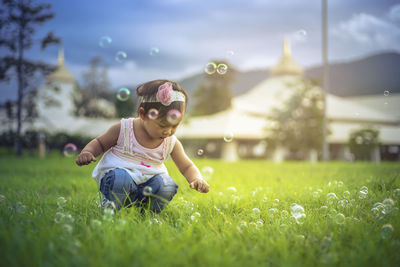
pixel 174 39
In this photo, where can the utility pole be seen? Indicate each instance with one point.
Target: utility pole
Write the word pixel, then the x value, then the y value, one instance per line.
pixel 325 78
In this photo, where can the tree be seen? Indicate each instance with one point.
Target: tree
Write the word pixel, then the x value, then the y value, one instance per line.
pixel 95 98
pixel 18 19
pixel 214 92
pixel 298 123
pixel 363 142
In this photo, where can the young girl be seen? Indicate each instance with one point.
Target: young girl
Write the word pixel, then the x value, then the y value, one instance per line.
pixel 132 168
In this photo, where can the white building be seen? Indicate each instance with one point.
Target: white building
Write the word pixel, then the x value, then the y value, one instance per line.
pixel 246 119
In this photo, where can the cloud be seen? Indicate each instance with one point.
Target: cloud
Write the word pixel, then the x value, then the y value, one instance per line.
pixel 394 13
pixel 369 31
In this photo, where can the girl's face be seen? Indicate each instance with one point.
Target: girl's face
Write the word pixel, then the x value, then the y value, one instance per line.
pixel 160 129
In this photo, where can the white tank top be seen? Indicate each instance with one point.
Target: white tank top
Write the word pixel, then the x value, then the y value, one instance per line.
pixel 140 162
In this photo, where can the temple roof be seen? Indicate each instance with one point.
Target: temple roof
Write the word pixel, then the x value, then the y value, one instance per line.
pixel 61 74
pixel 286 65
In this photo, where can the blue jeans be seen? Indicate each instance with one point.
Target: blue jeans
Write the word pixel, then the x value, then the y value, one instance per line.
pixel 118 186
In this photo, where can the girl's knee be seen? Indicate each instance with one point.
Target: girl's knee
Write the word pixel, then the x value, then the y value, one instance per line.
pixel 117 184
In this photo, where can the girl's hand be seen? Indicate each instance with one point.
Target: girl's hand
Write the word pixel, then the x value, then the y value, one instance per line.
pixel 200 185
pixel 84 158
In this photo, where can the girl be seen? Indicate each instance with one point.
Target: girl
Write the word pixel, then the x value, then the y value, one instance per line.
pixel 132 168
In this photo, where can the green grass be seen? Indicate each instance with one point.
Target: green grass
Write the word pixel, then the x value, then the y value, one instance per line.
pixel 215 229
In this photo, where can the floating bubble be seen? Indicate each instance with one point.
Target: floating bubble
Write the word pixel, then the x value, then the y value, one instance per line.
pixel 340 184
pixel 154 51
pixel 346 194
pixel 396 193
pixel 105 41
pixel 210 68
pixel 173 116
pixel 200 152
pixel 230 53
pixel 323 210
pixel 362 194
pixel 331 198
pixel 364 188
pixel 272 211
pixel 108 214
pixel 68 228
pixel 228 137
pixel 388 202
pixel 285 213
pixel 59 218
pixel 300 35
pixel 61 201
pixel 123 94
pixel 20 208
pixel 343 203
pixel 153 114
pixel 339 218
pixel 155 221
pixel 231 189
pixel 120 56
pixel 147 190
pixel 375 212
pixel 207 172
pixel 2 199
pixel 70 150
pixel 386 93
pixel 222 68
pixel 256 210
pixel 297 212
pixel 387 231
pixel 275 202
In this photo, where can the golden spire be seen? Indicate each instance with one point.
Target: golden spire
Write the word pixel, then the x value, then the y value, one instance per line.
pixel 286 65
pixel 60 56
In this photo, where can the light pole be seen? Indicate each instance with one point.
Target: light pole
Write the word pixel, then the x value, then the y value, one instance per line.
pixel 325 78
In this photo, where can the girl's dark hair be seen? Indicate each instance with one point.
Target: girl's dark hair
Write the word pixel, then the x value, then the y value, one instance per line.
pixel 149 89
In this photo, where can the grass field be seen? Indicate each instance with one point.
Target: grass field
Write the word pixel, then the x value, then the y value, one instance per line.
pixel 248 218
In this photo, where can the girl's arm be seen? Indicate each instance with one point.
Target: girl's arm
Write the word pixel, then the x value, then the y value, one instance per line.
pixel 188 169
pixel 99 145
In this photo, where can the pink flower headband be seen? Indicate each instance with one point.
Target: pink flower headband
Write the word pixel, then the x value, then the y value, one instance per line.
pixel 166 95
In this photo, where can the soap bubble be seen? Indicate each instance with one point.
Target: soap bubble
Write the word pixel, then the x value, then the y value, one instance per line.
pixel 147 190
pixel 396 193
pixel 339 218
pixel 2 198
pixel 105 41
pixel 173 116
pixel 154 51
pixel 386 93
pixel 153 114
pixel 386 231
pixel 70 150
pixel 228 137
pixel 231 189
pixel 61 201
pixel 207 172
pixel 222 68
pixel 123 94
pixel 200 152
pixel 298 213
pixel 210 68
pixel 120 56
pixel 230 53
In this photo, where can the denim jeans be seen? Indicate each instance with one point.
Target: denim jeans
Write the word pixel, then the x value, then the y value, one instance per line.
pixel 118 186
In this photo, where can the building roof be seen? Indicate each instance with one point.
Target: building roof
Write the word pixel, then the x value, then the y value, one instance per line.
pixel 286 65
pixel 61 74
pixel 388 103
